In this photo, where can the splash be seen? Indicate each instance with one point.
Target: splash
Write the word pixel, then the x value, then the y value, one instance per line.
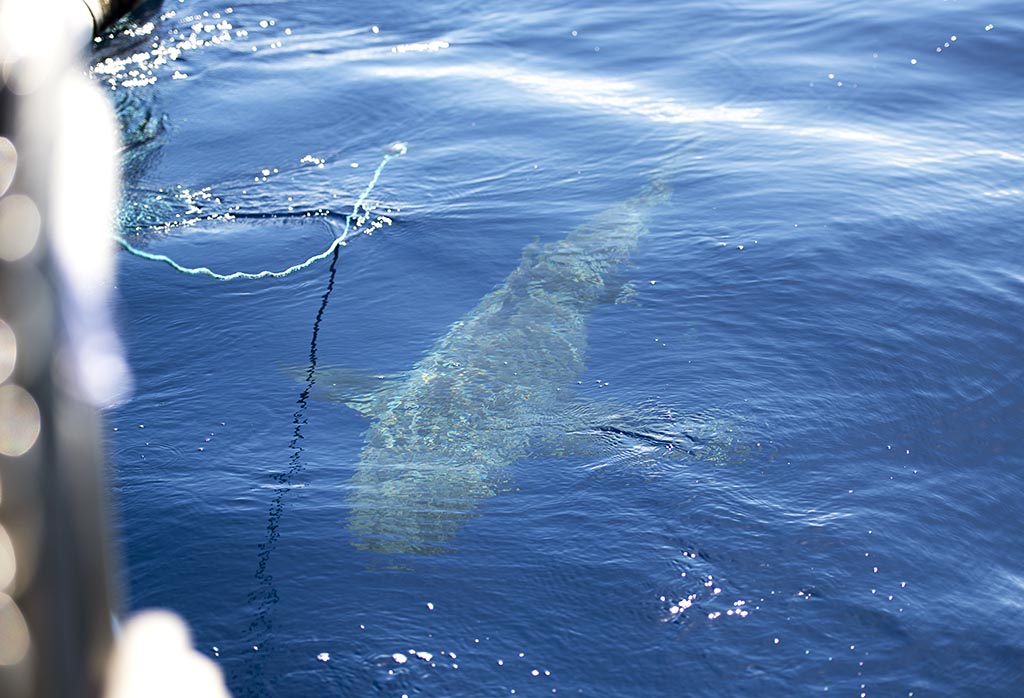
pixel 348 231
pixel 158 55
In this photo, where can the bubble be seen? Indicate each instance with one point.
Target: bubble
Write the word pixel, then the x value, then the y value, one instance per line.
pixel 8 350
pixel 8 563
pixel 19 421
pixel 8 164
pixel 14 639
pixel 19 227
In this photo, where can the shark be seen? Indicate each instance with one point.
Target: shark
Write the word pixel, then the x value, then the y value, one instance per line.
pixel 443 434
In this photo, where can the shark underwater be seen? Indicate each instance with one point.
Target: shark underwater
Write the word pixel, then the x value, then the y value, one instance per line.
pixel 497 383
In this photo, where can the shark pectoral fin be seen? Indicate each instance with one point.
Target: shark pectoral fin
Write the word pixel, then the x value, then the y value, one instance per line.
pixel 363 391
pixel 617 289
pixel 648 434
pixel 626 293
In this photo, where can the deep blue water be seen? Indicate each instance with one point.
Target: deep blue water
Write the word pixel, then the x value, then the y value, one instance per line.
pixel 835 289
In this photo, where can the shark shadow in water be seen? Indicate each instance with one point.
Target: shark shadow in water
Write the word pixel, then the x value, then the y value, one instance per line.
pixel 494 388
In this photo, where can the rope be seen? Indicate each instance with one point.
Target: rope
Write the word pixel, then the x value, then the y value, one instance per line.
pixel 396 150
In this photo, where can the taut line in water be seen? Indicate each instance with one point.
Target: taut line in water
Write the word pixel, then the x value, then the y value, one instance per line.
pixel 265 596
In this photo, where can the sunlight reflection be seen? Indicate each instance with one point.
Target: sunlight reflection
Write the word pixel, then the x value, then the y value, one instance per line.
pixel 901 148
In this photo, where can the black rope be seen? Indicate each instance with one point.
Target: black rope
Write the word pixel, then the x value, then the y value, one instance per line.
pixel 265 596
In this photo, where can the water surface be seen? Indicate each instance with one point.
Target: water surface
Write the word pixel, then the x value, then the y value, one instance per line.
pixel 833 288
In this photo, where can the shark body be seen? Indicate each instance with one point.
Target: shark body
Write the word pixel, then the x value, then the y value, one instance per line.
pixel 443 433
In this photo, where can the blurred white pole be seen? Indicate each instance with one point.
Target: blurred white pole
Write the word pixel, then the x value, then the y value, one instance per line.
pixel 154 659
pixel 60 361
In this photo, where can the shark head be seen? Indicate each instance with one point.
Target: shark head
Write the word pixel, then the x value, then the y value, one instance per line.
pixel 573 273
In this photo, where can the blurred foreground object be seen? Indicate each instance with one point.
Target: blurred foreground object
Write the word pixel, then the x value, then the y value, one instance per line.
pixel 60 361
pixel 104 12
pixel 154 659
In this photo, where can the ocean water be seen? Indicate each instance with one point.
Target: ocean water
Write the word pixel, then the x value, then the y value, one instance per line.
pixel 777 450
